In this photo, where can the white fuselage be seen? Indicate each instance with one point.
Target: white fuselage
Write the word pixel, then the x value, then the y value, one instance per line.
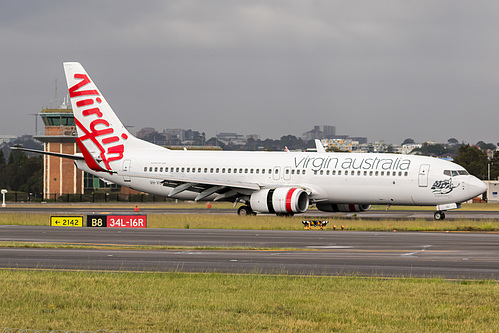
pixel 341 178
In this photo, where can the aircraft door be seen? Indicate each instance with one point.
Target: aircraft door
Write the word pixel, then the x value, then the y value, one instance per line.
pixel 276 173
pixel 423 175
pixel 126 168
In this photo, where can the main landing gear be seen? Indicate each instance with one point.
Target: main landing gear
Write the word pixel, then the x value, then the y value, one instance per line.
pixel 245 210
pixel 439 215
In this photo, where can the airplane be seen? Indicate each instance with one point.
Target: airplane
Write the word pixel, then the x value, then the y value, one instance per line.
pixel 282 183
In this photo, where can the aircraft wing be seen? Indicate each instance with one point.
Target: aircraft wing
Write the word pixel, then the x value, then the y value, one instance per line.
pixel 205 187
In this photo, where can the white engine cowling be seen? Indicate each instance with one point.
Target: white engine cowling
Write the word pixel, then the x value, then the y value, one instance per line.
pixel 329 207
pixel 282 200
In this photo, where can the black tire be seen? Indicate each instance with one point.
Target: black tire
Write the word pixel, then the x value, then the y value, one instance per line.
pixel 245 210
pixel 439 216
pixel 285 214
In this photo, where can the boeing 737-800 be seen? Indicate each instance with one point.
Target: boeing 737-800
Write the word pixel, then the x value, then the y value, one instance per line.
pixel 282 183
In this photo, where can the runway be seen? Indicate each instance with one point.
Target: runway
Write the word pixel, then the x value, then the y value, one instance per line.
pixel 383 254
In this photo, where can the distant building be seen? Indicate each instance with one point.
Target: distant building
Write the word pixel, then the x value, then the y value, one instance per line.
pixel 339 144
pixel 142 133
pixel 320 132
pixel 7 139
pixel 232 139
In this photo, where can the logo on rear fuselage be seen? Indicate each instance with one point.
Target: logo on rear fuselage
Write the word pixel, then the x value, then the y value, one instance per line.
pixel 100 132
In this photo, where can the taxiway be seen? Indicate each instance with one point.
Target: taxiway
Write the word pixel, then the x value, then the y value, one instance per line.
pixel 385 254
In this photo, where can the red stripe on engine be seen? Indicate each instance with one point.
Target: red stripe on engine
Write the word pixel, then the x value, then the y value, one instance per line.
pixel 352 207
pixel 288 200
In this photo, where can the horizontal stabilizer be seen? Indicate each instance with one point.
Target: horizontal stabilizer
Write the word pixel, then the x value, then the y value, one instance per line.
pixel 72 157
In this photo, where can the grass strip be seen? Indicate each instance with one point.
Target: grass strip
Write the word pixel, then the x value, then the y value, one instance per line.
pixel 191 302
pixel 269 222
pixel 44 245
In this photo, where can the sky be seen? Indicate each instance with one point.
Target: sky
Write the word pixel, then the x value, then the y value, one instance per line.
pixel 385 69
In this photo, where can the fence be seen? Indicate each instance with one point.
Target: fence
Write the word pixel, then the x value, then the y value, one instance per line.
pixel 15 196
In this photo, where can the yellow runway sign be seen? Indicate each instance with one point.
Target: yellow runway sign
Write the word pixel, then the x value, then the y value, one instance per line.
pixel 66 221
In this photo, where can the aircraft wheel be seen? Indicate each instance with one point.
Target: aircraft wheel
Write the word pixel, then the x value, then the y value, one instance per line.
pixel 439 216
pixel 245 210
pixel 285 214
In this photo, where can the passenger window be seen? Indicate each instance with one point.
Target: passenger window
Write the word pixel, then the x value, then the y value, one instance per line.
pixel 352 173
pixel 223 170
pixel 245 170
pixel 388 173
pixel 161 169
pixel 376 173
pixel 188 169
pixel 358 173
pixel 228 170
pixel 240 170
pixel 322 172
pixel 251 171
pixel 339 172
pixel 183 169
pixel 205 170
pixel 297 172
pixel 199 170
pixel 303 172
pixel 263 171
pixel 217 170
pixel 400 173
pixel 257 170
pixel 365 173
pixel 370 173
pixel 177 169
pixel 145 169
pixel 315 172
pixel 150 169
pixel 327 172
pixel 334 172
pixel 211 170
pixel 406 173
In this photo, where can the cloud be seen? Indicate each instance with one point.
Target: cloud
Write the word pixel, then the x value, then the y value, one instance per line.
pixel 383 69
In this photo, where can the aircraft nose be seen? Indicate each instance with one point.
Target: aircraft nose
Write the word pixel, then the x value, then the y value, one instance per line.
pixel 476 186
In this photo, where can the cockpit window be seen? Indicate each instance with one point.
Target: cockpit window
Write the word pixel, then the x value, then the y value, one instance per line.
pixel 454 173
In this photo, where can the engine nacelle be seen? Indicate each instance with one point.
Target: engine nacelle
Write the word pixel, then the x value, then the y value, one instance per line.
pixel 329 207
pixel 282 200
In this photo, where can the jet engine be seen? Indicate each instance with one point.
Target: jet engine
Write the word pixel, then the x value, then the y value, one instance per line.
pixel 330 207
pixel 282 200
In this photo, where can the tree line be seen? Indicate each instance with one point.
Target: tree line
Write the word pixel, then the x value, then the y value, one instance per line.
pixel 21 172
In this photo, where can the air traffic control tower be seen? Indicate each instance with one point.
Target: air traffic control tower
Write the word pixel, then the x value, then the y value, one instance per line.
pixel 60 175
